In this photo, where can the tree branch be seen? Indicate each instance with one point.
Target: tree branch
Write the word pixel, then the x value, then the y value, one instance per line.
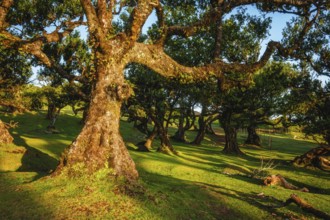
pixel 138 17
pixel 4 8
pixel 104 12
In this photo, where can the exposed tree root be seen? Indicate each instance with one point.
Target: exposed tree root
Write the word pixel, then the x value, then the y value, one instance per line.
pixel 317 157
pixel 279 180
pixel 143 146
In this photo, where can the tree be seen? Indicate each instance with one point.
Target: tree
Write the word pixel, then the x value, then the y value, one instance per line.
pixel 27 25
pixel 264 99
pixel 15 71
pixel 154 99
pixel 311 101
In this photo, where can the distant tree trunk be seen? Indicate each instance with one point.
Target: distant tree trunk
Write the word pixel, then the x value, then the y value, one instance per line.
pixel 51 111
pixel 99 144
pixel 147 144
pixel 253 137
pixel 142 126
pixel 5 137
pixel 165 143
pixel 180 133
pixel 231 146
pixel 201 131
pixel 209 129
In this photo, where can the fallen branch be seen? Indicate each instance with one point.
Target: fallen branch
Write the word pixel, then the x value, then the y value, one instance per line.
pixel 279 180
pixel 305 206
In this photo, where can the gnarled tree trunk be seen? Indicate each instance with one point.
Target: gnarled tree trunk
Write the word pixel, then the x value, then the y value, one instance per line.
pixel 99 144
pixel 253 138
pixel 165 144
pixel 317 157
pixel 5 137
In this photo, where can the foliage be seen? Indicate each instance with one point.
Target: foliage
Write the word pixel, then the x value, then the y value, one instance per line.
pixel 15 71
pixel 312 109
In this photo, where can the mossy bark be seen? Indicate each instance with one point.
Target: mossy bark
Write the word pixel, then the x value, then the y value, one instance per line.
pixel 5 137
pixel 99 144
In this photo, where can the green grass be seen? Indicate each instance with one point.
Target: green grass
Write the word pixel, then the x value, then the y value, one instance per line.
pixel 198 183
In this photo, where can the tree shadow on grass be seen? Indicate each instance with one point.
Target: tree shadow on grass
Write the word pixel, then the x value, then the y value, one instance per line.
pixel 265 203
pixel 18 200
pixel 34 160
pixel 185 199
pixel 195 195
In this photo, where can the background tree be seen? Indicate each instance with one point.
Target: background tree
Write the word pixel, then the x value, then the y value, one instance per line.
pixel 264 100
pixel 113 51
pixel 156 97
pixel 15 71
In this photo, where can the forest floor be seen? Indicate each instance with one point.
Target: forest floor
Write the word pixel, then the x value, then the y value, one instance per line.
pixel 198 183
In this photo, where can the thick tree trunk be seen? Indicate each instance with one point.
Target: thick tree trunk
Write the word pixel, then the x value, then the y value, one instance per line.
pixel 231 146
pixel 5 137
pixel 99 144
pixel 253 138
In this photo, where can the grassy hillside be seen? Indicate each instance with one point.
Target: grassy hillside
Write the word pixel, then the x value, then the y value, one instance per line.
pixel 198 183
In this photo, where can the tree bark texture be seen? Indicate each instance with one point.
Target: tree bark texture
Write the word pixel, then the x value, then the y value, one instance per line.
pixel 99 144
pixel 253 138
pixel 5 137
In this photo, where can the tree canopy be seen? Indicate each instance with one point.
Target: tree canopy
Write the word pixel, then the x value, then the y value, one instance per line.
pixel 114 29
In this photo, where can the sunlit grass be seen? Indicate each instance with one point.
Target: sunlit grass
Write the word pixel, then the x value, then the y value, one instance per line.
pixel 198 183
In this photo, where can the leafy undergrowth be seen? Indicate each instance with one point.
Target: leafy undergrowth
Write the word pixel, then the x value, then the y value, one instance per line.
pixel 198 183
